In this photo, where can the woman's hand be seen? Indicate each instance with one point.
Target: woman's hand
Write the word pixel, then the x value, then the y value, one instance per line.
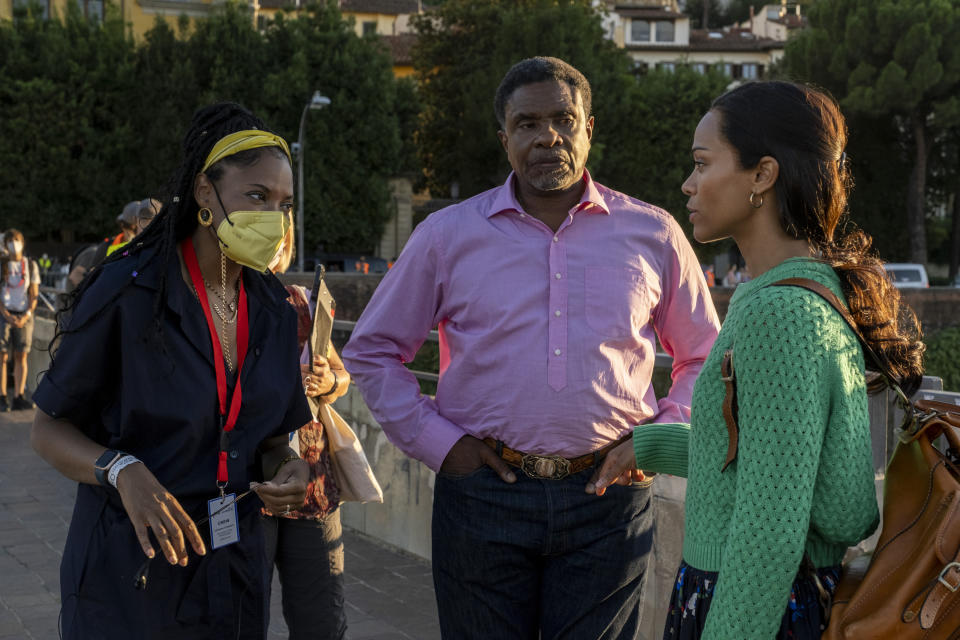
pixel 619 467
pixel 319 379
pixel 150 506
pixel 287 490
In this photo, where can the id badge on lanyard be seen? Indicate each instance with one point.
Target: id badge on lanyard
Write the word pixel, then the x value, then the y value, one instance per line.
pixel 224 528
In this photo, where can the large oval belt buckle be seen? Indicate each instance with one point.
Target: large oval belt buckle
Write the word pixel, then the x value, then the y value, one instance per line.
pixel 545 467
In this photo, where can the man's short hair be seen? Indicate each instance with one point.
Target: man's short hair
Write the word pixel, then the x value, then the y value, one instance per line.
pixel 539 69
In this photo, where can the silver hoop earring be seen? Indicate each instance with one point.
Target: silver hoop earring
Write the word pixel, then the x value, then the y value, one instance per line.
pixel 756 205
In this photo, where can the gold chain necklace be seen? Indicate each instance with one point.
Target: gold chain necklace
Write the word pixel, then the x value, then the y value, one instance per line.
pixel 225 339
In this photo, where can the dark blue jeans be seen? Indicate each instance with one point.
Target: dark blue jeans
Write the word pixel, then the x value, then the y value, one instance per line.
pixel 538 559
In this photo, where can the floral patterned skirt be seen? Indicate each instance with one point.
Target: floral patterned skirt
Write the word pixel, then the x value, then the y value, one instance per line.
pixel 803 619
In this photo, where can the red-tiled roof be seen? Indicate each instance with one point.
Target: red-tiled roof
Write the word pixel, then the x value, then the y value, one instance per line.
pixel 399 47
pixel 390 7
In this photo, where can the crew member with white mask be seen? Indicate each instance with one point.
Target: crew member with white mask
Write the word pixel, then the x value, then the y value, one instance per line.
pixel 18 300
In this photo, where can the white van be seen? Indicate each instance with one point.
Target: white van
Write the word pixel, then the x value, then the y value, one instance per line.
pixel 907 275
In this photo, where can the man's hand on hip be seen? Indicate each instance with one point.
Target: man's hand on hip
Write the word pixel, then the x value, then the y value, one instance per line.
pixel 469 454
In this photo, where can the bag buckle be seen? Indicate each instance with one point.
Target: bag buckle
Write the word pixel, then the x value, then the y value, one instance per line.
pixel 545 467
pixel 943 577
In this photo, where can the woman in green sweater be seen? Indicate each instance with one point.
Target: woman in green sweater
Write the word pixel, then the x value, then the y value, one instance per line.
pixel 770 171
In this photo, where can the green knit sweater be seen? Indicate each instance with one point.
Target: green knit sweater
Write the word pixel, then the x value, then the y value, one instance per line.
pixel 803 479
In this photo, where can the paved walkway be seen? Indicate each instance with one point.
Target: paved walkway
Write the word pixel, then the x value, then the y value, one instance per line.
pixel 389 594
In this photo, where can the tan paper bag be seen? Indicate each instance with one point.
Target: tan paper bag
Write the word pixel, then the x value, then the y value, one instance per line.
pixel 351 470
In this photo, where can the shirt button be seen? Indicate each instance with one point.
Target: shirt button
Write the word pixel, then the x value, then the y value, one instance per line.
pixel 556 352
pixel 234 454
pixel 557 313
pixel 556 239
pixel 256 352
pixel 557 275
pixel 523 215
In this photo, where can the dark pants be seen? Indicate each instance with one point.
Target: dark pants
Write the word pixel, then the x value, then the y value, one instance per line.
pixel 538 558
pixel 309 559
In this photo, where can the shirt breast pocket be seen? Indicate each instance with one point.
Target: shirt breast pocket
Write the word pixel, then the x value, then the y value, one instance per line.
pixel 616 300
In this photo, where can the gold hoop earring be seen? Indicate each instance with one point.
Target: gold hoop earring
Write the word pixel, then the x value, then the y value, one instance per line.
pixel 756 205
pixel 205 217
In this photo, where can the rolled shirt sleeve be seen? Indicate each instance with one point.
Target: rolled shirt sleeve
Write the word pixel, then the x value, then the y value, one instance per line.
pixel 84 365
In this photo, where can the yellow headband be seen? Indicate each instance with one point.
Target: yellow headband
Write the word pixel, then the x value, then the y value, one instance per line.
pixel 242 141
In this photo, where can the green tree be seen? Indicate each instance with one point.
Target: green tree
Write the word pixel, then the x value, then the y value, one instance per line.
pixel 92 121
pixel 651 158
pixel 65 86
pixel 889 59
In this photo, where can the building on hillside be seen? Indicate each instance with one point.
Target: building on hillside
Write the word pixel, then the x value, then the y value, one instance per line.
pixel 381 17
pixel 775 21
pixel 657 34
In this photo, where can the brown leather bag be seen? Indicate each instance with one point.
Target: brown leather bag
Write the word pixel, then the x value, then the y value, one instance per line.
pixel 909 589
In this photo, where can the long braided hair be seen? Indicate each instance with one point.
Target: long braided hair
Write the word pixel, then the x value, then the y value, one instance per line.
pixel 177 218
pixel 804 130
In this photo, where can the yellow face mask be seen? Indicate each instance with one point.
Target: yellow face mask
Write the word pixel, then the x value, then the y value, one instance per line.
pixel 251 238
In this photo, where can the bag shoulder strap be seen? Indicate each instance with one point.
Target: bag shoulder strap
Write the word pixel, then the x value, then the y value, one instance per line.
pixel 729 375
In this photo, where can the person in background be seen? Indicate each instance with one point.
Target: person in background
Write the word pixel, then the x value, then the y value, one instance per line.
pixel 133 219
pixel 306 544
pixel 18 301
pixel 732 277
pixel 549 293
pixel 770 514
pixel 710 276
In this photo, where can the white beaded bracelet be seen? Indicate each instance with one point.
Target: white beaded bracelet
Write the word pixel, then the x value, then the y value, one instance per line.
pixel 119 466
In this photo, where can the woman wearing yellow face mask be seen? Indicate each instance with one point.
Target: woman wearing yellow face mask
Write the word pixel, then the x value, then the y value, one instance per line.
pixel 169 399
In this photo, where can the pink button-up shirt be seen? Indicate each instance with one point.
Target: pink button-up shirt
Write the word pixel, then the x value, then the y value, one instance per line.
pixel 547 339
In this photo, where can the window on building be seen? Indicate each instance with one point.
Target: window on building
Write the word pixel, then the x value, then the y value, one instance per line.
pixel 639 31
pixel 369 27
pixel 94 10
pixel 773 13
pixel 726 68
pixel 750 71
pixel 665 31
pixel 667 66
pixel 699 67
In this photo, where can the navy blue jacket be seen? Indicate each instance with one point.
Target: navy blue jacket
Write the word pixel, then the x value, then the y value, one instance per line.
pixel 157 399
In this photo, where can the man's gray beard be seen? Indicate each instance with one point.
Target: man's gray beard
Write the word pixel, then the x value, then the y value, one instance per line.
pixel 552 181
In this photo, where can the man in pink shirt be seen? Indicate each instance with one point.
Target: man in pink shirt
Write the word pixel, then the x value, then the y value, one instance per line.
pixel 549 293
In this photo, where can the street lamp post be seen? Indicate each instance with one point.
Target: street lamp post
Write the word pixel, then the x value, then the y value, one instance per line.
pixel 318 101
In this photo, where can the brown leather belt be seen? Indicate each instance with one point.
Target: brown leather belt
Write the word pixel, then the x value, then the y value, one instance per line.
pixel 549 467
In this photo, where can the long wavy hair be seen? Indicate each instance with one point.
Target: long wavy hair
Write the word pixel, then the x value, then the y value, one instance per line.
pixel 803 129
pixel 177 218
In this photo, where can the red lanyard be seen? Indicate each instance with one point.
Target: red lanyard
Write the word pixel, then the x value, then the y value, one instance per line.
pixel 228 420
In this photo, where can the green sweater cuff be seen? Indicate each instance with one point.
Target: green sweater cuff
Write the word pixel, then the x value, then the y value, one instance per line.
pixel 662 448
